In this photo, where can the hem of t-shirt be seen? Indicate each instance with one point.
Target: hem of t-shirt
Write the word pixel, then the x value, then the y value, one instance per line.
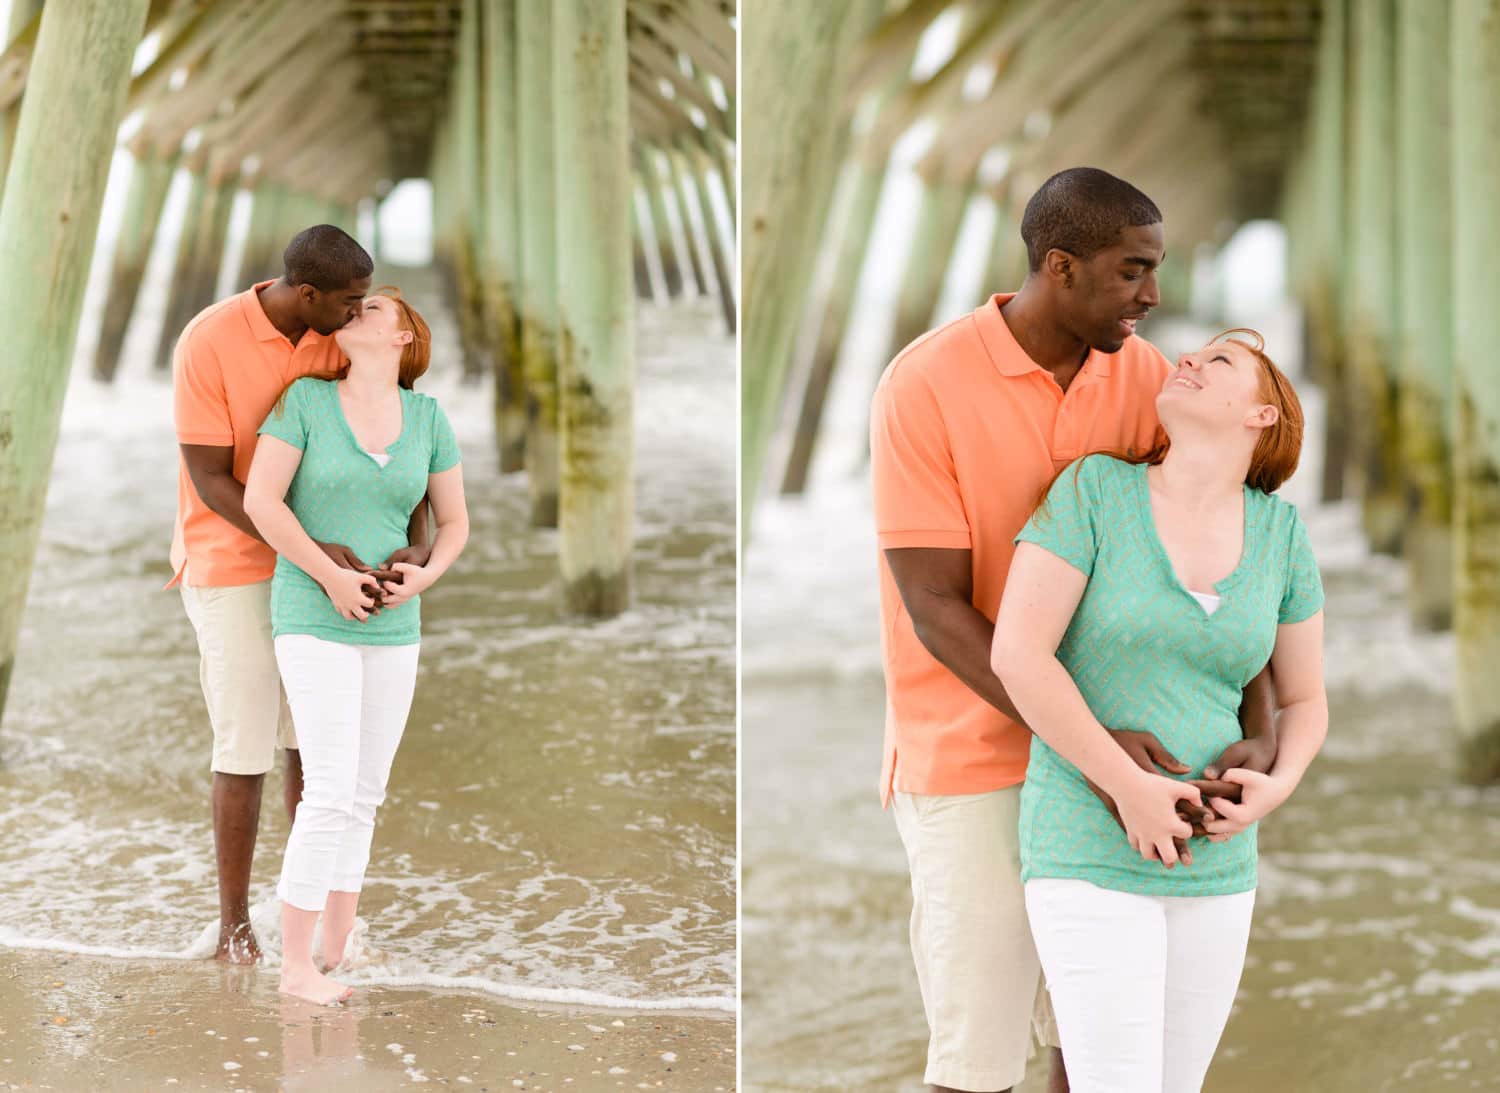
pixel 267 431
pixel 207 576
pixel 967 785
pixel 345 637
pixel 951 540
pixel 1302 618
pixel 217 440
pixel 1179 882
pixel 1050 549
pixel 449 467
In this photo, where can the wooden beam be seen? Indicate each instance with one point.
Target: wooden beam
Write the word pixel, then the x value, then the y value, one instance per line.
pixel 597 360
pixel 78 75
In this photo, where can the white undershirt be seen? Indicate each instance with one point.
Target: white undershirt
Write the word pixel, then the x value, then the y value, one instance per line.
pixel 385 457
pixel 1209 600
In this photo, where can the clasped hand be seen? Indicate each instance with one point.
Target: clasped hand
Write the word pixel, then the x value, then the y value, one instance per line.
pixel 359 591
pixel 1160 814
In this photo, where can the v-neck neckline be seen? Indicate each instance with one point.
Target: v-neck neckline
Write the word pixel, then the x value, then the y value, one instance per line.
pixel 390 449
pixel 1222 585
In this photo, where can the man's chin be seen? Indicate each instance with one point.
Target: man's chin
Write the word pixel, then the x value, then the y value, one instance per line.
pixel 1113 345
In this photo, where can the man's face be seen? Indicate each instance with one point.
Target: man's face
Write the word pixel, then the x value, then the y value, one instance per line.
pixel 326 312
pixel 1116 288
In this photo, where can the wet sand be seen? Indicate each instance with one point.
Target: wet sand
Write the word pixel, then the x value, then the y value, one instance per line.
pixel 73 1023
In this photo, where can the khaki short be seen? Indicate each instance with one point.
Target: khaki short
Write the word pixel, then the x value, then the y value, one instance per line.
pixel 237 667
pixel 977 966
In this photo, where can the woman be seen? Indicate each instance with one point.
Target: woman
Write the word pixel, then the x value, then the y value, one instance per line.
pixel 347 461
pixel 1144 594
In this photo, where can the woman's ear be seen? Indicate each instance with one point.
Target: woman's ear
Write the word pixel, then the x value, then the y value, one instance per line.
pixel 404 337
pixel 1264 417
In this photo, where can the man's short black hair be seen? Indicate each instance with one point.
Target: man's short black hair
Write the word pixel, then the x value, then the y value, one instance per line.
pixel 326 257
pixel 1082 210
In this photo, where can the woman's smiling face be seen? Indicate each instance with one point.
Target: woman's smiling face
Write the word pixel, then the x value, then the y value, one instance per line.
pixel 1219 384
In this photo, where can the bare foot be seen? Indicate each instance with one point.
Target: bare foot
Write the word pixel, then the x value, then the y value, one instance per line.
pixel 237 944
pixel 313 986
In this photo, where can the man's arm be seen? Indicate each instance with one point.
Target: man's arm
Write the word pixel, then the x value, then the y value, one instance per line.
pixel 416 530
pixel 418 551
pixel 1257 751
pixel 212 470
pixel 937 587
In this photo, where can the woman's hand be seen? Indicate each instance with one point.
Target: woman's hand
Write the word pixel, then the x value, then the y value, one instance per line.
pixel 353 594
pixel 414 580
pixel 1260 795
pixel 1147 805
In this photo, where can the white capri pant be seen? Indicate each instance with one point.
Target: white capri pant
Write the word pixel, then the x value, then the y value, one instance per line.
pixel 350 704
pixel 1141 985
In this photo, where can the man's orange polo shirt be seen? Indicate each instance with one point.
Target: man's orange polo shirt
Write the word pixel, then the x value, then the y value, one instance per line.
pixel 228 368
pixel 966 432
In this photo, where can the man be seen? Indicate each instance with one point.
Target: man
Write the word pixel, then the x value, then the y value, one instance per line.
pixel 230 365
pixel 969 425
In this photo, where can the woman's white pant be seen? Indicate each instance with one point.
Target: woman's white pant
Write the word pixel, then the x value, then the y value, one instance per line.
pixel 1141 985
pixel 349 703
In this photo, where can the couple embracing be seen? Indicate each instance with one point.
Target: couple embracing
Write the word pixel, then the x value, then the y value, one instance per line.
pixel 1102 635
pixel 309 465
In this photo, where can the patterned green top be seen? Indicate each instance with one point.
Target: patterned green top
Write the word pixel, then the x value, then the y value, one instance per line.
pixel 1147 656
pixel 340 494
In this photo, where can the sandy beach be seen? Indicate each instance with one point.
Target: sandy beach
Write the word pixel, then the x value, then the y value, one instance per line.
pixel 74 1023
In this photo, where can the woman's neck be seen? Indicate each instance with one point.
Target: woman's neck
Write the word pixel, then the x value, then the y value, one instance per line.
pixel 371 378
pixel 1201 472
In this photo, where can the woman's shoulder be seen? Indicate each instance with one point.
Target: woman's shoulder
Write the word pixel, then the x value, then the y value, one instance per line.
pixel 1279 518
pixel 311 387
pixel 1104 467
pixel 425 403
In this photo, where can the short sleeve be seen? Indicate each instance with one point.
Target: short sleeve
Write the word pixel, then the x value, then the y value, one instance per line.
pixel 200 405
pixel 444 443
pixel 1067 522
pixel 917 498
pixel 1303 596
pixel 288 420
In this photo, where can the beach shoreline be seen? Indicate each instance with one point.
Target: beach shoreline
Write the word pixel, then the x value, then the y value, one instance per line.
pixel 70 1022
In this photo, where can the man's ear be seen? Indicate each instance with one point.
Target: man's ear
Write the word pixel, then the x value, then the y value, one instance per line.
pixel 308 293
pixel 1059 266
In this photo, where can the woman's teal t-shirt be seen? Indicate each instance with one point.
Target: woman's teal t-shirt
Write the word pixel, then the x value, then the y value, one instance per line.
pixel 1146 656
pixel 342 495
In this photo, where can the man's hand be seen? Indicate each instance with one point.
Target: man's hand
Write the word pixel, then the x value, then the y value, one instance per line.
pixel 395 588
pixel 1257 754
pixel 412 555
pixel 1149 753
pixel 345 558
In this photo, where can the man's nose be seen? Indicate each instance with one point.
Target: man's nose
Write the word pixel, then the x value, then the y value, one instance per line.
pixel 1150 294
